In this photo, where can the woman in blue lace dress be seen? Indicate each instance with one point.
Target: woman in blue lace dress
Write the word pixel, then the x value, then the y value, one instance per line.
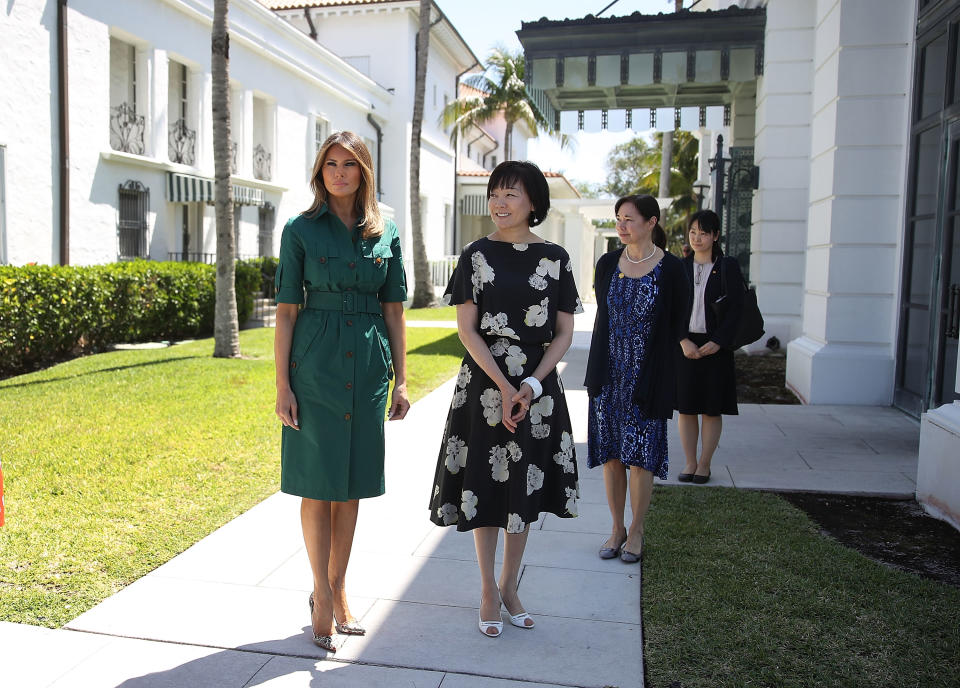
pixel 641 300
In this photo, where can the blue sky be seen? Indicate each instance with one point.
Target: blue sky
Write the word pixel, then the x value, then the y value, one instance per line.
pixel 485 23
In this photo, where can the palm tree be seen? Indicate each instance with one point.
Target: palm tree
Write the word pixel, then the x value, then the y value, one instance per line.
pixel 226 329
pixel 502 91
pixel 423 295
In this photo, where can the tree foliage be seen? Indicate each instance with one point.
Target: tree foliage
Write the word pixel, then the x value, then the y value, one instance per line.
pixel 634 168
pixel 501 91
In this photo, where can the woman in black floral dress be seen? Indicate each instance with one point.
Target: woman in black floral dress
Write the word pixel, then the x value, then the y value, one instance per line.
pixel 507 453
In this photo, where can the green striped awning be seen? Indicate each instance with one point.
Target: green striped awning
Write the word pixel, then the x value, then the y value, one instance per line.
pixel 189 188
pixel 247 195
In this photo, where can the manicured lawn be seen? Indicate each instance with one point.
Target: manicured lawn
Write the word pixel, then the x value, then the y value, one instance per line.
pixel 740 589
pixel 115 463
pixel 438 313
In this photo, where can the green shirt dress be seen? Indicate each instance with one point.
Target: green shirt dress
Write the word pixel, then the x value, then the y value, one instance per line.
pixel 340 364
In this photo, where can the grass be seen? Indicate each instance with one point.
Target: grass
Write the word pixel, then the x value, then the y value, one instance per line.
pixel 437 313
pixel 115 463
pixel 740 589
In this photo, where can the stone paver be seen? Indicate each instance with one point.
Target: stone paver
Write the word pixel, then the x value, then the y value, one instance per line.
pixel 231 610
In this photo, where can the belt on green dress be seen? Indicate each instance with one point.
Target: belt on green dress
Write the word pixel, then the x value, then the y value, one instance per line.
pixel 346 301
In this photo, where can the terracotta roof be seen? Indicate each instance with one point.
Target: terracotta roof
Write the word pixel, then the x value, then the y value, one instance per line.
pixel 486 173
pixel 731 11
pixel 300 4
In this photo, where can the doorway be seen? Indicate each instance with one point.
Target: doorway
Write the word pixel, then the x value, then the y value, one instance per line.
pixel 930 290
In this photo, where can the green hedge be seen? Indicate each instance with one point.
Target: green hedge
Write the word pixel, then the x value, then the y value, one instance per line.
pixel 51 312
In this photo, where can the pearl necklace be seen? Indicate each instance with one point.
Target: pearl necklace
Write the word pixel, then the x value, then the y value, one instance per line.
pixel 626 252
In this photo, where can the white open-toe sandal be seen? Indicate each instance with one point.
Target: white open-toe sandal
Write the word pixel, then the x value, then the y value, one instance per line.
pixel 485 626
pixel 519 620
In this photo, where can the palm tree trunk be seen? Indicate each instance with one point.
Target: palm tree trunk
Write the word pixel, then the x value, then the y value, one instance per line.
pixel 507 141
pixel 666 163
pixel 423 287
pixel 226 329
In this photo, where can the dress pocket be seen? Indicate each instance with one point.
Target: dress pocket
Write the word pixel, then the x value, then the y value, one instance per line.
pixel 305 333
pixel 319 268
pixel 385 351
pixel 374 262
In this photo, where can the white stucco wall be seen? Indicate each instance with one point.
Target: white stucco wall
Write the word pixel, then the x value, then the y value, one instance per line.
pixel 862 75
pixel 275 70
pixel 28 126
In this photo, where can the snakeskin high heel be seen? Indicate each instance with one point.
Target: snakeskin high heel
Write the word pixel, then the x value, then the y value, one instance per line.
pixel 324 641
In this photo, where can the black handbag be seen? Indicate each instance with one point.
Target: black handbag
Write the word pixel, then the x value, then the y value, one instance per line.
pixel 750 327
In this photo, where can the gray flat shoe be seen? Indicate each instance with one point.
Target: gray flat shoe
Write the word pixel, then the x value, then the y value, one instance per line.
pixel 611 552
pixel 628 557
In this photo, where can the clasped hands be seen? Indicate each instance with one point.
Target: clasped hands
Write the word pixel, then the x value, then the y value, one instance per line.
pixel 516 403
pixel 693 352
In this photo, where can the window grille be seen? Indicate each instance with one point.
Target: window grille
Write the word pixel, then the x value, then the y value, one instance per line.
pixel 134 204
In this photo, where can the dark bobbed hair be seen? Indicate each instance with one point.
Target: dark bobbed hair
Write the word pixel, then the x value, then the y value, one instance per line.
pixel 648 207
pixel 511 173
pixel 708 221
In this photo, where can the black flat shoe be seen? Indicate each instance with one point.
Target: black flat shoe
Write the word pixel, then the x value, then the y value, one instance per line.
pixel 685 477
pixel 701 479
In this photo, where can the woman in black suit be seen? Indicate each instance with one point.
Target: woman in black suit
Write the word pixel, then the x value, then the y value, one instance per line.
pixel 706 381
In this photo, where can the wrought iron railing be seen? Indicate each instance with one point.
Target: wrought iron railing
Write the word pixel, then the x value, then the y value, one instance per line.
pixel 261 163
pixel 191 257
pixel 182 143
pixel 126 129
pixel 208 258
pixel 441 270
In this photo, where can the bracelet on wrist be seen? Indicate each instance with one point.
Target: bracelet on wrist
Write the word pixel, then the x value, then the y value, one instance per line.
pixel 534 384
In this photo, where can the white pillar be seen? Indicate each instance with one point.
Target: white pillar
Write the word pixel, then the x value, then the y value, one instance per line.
pixel 862 58
pixel 202 86
pixel 245 152
pixel 159 101
pixel 782 153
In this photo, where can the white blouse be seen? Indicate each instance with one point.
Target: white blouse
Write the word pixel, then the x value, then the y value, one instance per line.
pixel 698 318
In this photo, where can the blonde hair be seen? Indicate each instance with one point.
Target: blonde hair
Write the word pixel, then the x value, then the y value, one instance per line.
pixel 365 201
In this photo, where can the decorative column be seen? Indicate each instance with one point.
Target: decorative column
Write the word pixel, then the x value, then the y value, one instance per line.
pixel 158 114
pixel 862 69
pixel 782 153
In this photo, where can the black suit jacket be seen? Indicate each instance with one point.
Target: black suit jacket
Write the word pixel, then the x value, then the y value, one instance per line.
pixel 722 332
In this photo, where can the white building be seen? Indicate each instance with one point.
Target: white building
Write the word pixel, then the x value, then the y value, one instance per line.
pixel 850 112
pixel 137 126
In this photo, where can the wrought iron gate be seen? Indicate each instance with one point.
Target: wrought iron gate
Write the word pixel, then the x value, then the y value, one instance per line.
pixel 736 178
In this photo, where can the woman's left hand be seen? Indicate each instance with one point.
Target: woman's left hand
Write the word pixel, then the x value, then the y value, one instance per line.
pixel 520 403
pixel 399 404
pixel 709 349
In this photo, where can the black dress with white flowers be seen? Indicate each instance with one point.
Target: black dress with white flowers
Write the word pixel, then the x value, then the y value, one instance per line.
pixel 486 475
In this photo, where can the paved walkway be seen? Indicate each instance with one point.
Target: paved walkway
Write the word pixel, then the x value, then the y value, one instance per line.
pixel 231 611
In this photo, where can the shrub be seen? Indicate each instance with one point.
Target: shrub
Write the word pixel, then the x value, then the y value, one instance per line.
pixel 51 312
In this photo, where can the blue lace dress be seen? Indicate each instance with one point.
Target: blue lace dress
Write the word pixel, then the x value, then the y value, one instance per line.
pixel 616 428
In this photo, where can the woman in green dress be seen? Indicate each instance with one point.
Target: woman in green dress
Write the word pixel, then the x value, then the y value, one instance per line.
pixel 340 337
